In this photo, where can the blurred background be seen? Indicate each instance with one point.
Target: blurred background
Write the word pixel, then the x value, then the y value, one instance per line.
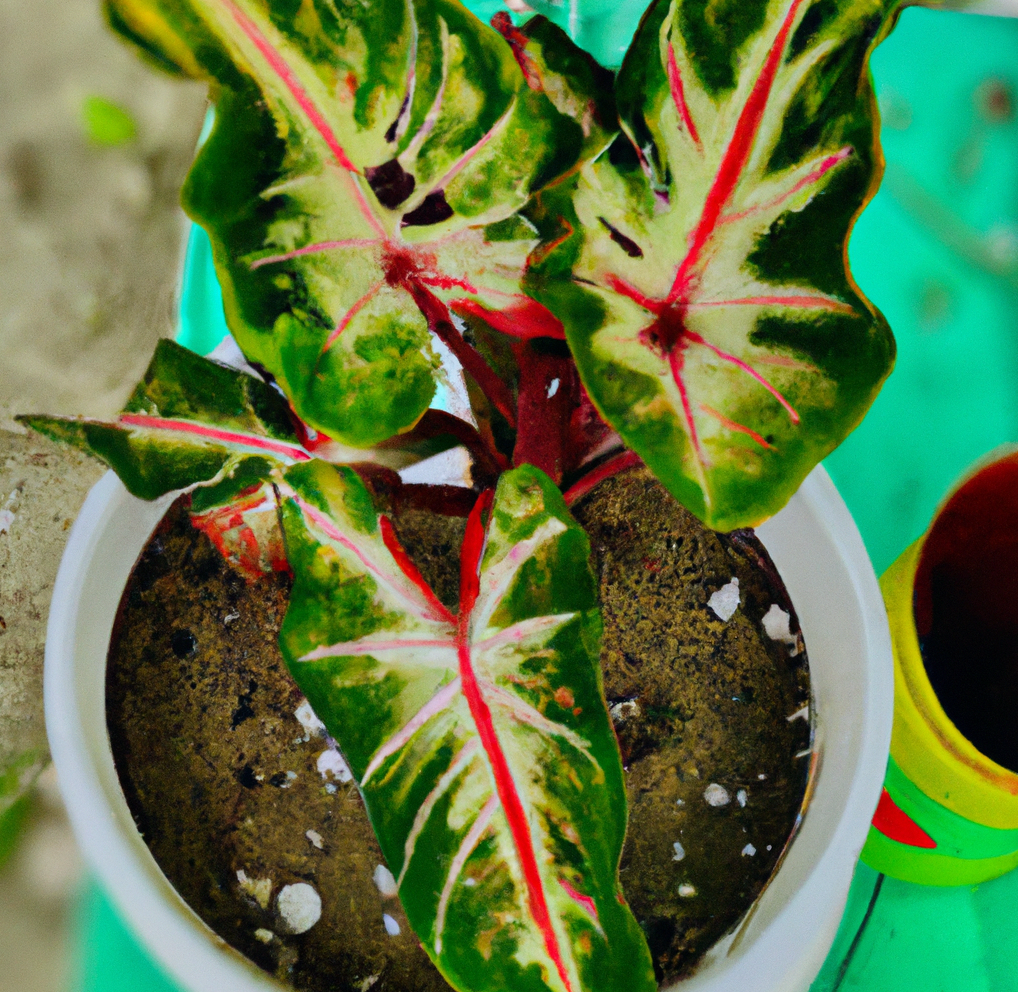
pixel 93 149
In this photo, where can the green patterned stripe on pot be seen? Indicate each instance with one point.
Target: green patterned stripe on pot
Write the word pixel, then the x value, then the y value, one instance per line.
pixel 965 852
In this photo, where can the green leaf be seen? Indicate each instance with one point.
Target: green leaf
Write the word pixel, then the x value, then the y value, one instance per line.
pixel 712 315
pixel 106 123
pixel 360 153
pixel 190 421
pixel 480 740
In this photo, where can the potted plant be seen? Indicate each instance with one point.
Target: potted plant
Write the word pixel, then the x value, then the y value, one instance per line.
pixel 642 266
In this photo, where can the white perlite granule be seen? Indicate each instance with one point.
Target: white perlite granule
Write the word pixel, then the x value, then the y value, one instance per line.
pixel 725 601
pixel 687 891
pixel 716 795
pixel 385 882
pixel 313 727
pixel 331 762
pixel 391 926
pixel 776 627
pixel 300 906
pixel 680 851
pixel 748 849
pixel 259 889
pixel 742 797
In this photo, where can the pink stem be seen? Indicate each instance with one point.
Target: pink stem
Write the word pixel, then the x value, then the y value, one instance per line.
pixel 439 321
pixel 614 465
pixel 410 570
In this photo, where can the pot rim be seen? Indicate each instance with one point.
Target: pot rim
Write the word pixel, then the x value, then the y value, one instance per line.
pixel 779 945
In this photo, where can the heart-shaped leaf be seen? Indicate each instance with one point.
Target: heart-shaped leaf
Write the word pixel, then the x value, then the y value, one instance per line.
pixel 480 738
pixel 362 175
pixel 713 318
pixel 189 422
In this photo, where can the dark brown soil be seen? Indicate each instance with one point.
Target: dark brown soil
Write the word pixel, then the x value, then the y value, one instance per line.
pixel 225 784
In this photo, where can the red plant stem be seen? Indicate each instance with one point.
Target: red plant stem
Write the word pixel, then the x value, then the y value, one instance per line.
pixel 440 323
pixel 505 785
pixel 435 423
pixel 614 465
pixel 446 501
pixel 548 395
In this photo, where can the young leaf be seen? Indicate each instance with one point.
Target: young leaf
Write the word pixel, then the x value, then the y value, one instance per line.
pixel 245 529
pixel 361 178
pixel 190 421
pixel 713 318
pixel 480 739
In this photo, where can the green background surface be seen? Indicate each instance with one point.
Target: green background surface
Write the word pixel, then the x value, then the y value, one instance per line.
pixel 937 251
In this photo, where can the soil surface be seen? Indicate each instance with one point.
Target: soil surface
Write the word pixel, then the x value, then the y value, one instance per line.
pixel 245 802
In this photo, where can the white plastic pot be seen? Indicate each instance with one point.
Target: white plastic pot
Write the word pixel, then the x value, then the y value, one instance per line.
pixel 780 944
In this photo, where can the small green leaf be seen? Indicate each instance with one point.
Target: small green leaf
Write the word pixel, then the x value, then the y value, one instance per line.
pixel 480 740
pixel 106 123
pixel 711 313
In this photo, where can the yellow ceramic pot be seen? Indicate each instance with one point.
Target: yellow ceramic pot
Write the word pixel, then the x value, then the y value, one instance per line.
pixel 949 813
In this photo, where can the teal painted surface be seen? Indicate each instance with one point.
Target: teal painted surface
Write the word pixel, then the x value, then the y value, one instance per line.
pixel 921 938
pixel 953 396
pixel 202 323
pixel 947 279
pixel 108 958
pixel 944 269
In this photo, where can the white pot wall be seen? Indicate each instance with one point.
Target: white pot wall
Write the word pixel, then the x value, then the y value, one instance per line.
pixel 780 945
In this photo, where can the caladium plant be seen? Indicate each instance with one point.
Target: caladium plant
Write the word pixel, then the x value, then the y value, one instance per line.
pixel 643 265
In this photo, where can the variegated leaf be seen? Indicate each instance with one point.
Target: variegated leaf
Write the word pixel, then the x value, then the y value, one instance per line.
pixel 362 178
pixel 189 422
pixel 480 737
pixel 713 318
